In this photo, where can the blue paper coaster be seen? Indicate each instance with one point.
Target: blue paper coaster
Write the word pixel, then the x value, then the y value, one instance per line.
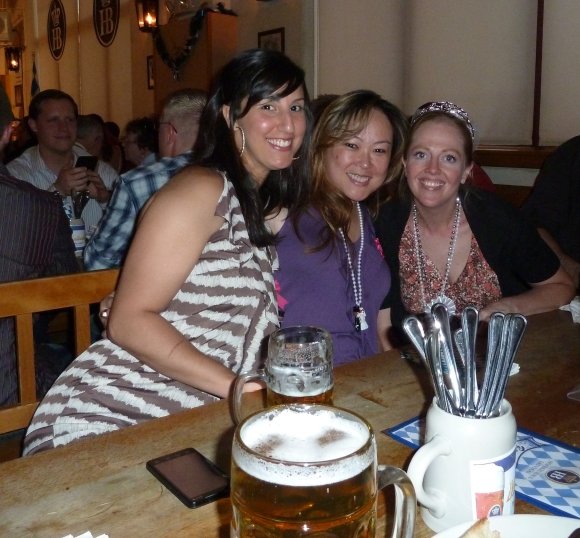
pixel 547 471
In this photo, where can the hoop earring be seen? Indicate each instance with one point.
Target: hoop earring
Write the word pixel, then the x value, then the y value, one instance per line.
pixel 243 139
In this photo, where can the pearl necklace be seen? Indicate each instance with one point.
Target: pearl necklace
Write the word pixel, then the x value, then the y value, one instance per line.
pixel 360 317
pixel 441 298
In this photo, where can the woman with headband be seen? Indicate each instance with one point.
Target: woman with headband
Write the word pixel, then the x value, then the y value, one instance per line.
pixel 460 246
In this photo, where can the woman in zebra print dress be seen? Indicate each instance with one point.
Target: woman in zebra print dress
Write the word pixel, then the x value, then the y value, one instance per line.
pixel 196 298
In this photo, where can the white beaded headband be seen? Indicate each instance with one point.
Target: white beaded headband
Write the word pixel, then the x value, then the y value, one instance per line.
pixel 445 107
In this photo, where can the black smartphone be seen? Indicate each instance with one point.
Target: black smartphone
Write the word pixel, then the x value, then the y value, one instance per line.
pixel 190 476
pixel 88 161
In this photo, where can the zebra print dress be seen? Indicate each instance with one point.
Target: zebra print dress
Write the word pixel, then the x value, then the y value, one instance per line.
pixel 226 308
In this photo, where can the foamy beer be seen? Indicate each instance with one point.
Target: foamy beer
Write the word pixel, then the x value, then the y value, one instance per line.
pixel 311 470
pixel 298 369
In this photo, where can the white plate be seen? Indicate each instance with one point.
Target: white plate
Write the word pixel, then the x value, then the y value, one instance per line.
pixel 522 525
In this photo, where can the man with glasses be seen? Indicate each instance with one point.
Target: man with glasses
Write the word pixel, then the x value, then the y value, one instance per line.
pixel 177 134
pixel 140 142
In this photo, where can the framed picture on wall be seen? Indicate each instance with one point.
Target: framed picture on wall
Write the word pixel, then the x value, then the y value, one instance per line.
pixel 150 78
pixel 272 39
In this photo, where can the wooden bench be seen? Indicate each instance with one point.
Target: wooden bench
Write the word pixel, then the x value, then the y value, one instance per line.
pixel 513 157
pixel 21 300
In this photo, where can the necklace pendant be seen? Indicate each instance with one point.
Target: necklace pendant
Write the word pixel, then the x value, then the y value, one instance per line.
pixel 360 319
pixel 446 301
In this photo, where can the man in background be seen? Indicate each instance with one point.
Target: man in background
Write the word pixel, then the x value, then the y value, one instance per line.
pixel 140 142
pixel 51 164
pixel 178 128
pixel 91 134
pixel 35 241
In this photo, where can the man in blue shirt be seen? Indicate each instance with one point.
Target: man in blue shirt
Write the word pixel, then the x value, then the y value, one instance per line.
pixel 177 134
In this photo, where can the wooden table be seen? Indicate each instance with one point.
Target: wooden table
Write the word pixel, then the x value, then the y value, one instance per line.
pixel 101 484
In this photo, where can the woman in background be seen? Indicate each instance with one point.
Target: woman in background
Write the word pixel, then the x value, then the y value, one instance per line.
pixel 447 243
pixel 196 296
pixel 331 270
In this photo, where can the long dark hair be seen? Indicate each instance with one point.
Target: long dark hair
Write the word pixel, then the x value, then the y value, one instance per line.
pixel 250 77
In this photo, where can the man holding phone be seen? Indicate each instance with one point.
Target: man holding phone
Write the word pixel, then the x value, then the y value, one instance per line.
pixel 52 165
pixel 35 241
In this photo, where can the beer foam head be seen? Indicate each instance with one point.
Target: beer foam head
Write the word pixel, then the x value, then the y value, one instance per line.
pixel 299 434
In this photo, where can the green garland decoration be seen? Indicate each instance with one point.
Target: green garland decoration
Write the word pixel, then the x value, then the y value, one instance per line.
pixel 175 63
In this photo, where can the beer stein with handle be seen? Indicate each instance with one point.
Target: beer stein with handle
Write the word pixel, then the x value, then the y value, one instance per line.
pixel 298 369
pixel 311 470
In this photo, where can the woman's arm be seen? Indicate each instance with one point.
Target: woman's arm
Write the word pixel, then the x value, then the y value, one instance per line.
pixel 171 235
pixel 384 325
pixel 542 297
pixel 570 265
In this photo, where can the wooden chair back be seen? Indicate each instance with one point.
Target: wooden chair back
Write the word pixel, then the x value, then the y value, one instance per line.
pixel 24 298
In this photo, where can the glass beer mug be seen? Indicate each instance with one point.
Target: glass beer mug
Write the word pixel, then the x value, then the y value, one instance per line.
pixel 298 369
pixel 311 470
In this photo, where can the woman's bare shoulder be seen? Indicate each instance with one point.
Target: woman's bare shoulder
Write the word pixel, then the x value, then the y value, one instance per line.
pixel 194 189
pixel 196 179
pixel 194 184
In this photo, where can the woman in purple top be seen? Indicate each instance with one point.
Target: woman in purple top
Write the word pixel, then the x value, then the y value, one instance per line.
pixel 331 270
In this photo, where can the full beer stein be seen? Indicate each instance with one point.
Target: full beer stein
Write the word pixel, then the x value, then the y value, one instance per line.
pixel 311 470
pixel 298 369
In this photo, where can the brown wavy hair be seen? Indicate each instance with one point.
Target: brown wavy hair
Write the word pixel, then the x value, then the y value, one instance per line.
pixel 344 117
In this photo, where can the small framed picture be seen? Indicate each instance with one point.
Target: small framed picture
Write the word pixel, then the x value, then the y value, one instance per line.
pixel 150 77
pixel 18 101
pixel 272 39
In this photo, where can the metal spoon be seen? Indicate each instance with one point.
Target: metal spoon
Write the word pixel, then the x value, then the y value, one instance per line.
pixel 469 324
pixel 450 371
pixel 496 321
pixel 414 330
pixel 434 360
pixel 517 326
pixel 498 365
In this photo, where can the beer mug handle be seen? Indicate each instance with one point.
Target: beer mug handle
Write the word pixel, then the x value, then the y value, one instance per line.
pixel 433 501
pixel 405 501
pixel 238 390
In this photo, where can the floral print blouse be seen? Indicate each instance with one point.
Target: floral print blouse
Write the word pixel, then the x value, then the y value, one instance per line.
pixel 477 284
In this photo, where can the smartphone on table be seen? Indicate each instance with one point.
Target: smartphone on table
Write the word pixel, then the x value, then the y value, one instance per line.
pixel 88 161
pixel 190 476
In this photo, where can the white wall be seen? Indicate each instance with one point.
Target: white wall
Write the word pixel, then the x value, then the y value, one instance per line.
pixel 560 72
pixel 480 54
pixel 361 46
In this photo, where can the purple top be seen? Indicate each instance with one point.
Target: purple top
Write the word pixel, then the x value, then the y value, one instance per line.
pixel 315 288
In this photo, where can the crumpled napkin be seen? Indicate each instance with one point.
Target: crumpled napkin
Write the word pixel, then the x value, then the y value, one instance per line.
pixel 573 308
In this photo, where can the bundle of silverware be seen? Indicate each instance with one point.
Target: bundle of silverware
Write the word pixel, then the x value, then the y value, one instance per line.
pixel 449 356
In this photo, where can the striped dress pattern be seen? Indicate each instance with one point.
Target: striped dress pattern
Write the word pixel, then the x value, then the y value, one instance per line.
pixel 226 308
